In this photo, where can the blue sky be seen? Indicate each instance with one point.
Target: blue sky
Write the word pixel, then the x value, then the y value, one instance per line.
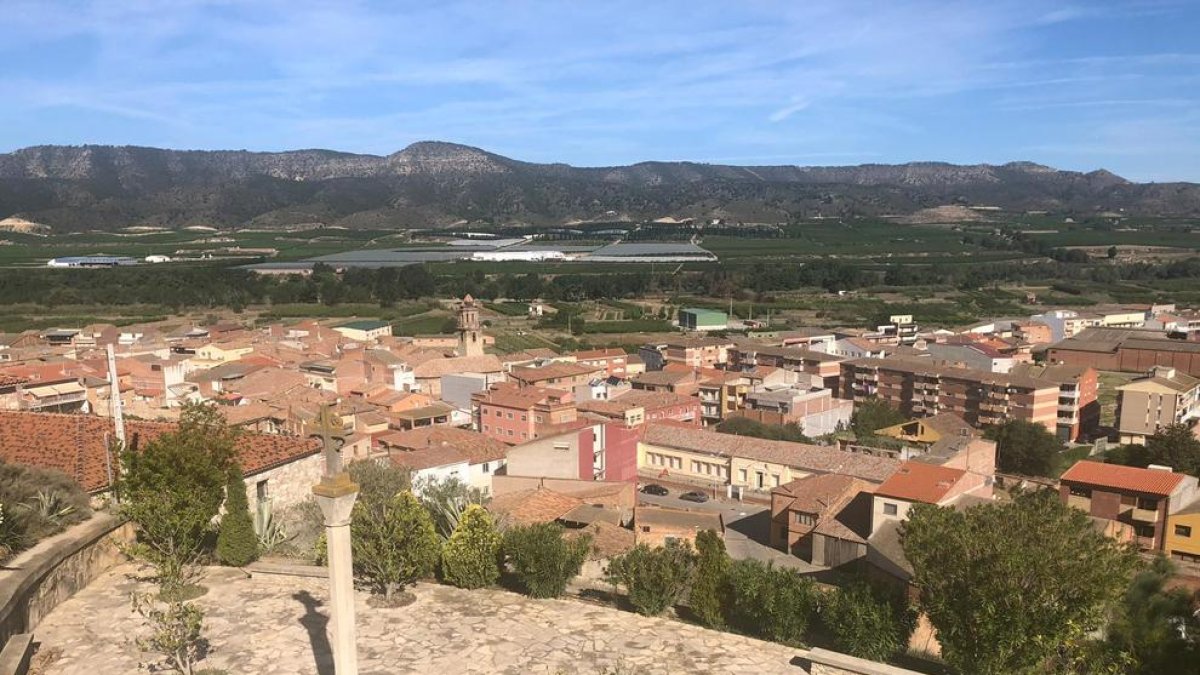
pixel 1079 85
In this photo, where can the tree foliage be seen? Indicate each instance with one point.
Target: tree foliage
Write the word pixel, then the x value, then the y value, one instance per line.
pixel 744 426
pixel 1008 584
pixel 654 577
pixel 1025 448
pixel 173 488
pixel 871 416
pixel 447 500
pixel 394 543
pixel 1175 446
pixel 542 560
pixel 711 592
pixel 237 542
pixel 1157 626
pixel 176 632
pixel 868 622
pixel 470 557
pixel 771 602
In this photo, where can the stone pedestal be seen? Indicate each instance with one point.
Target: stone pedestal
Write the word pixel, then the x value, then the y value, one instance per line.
pixel 336 496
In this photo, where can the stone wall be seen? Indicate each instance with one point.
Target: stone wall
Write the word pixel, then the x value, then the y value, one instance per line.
pixel 825 662
pixel 37 580
pixel 287 485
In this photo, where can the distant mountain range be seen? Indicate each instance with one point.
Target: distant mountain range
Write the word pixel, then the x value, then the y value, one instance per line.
pixel 437 184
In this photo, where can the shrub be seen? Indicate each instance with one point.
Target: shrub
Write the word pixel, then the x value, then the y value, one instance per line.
pixel 394 545
pixel 446 500
pixel 237 543
pixel 655 578
pixel 36 503
pixel 378 483
pixel 710 588
pixel 542 560
pixel 771 602
pixel 173 488
pixel 470 557
pixel 868 622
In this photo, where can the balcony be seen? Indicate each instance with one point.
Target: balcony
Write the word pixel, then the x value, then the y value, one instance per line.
pixel 1144 515
pixel 1083 503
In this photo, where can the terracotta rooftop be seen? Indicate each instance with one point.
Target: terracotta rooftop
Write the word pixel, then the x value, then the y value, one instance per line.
pixel 78 445
pixel 608 540
pixel 1128 478
pixel 439 366
pixel 920 482
pixel 660 516
pixel 812 458
pixel 551 371
pixel 476 447
pixel 426 458
pixel 527 507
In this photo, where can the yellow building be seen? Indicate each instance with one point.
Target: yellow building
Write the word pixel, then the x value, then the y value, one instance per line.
pixel 1182 543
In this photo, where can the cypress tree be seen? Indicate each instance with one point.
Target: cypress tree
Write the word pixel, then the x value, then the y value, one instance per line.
pixel 237 544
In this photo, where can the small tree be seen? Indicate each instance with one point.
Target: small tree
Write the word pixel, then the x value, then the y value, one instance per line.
pixel 394 546
pixel 378 483
pixel 237 543
pixel 542 560
pixel 176 632
pixel 771 602
pixel 710 588
pixel 871 416
pixel 1025 448
pixel 655 578
pixel 1177 447
pixel 1112 252
pixel 470 557
pixel 173 488
pixel 1008 585
pixel 867 622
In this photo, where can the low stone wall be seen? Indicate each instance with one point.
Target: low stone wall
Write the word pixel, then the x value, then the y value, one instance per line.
pixel 825 662
pixel 36 581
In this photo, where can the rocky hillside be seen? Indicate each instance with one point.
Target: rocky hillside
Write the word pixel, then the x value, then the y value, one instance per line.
pixel 432 183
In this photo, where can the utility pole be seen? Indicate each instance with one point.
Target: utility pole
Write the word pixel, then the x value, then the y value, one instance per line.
pixel 336 494
pixel 114 396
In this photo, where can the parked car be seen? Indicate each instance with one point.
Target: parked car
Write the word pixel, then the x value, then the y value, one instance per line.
pixel 655 489
pixel 698 497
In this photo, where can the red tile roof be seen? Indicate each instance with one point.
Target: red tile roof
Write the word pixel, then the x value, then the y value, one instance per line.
pixel 476 447
pixel 78 445
pixel 1130 478
pixel 920 482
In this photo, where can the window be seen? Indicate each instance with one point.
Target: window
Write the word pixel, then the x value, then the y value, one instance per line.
pixel 1146 531
pixel 486 428
pixel 537 418
pixel 1080 491
pixel 524 417
pixel 487 467
pixel 742 475
pixel 695 467
pixel 261 491
pixel 510 416
pixel 645 528
pixel 889 509
pixel 805 519
pixel 1147 504
pixel 775 479
pixel 1183 531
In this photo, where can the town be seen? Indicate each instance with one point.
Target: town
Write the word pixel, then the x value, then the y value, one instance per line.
pixel 804 449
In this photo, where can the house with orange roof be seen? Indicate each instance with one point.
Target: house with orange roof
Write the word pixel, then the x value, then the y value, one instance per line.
pixel 1131 502
pixel 917 483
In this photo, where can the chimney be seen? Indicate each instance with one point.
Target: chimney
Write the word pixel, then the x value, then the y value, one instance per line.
pixel 1163 371
pixel 1160 467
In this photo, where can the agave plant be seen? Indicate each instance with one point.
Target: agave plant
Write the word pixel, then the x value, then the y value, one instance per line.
pixel 49 506
pixel 269 529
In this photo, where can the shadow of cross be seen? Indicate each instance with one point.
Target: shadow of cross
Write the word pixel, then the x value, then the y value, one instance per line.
pixel 315 622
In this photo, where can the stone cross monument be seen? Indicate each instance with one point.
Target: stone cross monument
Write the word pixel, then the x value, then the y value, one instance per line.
pixel 336 494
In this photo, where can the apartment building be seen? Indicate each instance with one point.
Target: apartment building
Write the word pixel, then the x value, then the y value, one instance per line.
pixel 560 375
pixel 796 359
pixel 1078 397
pixel 698 352
pixel 920 389
pixel 517 414
pixel 612 361
pixel 637 407
pixel 1161 399
pixel 1136 503
pixel 1127 350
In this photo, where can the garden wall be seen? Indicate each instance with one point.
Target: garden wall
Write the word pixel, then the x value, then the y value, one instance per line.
pixel 34 582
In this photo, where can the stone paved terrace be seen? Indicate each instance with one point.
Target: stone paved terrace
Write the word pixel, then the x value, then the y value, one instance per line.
pixel 276 625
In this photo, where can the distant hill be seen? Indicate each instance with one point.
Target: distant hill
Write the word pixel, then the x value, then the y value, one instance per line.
pixel 434 183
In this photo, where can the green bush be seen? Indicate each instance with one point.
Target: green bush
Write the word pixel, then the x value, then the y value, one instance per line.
pixel 378 482
pixel 655 578
pixel 868 622
pixel 36 503
pixel 542 561
pixel 470 557
pixel 710 587
pixel 394 545
pixel 173 488
pixel 237 543
pixel 771 602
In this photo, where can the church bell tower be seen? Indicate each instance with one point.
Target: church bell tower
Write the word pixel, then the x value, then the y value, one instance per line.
pixel 470 338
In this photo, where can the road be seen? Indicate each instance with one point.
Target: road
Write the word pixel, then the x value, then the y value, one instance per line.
pixel 746 528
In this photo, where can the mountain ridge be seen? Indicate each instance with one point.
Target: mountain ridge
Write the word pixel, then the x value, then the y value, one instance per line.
pixel 432 183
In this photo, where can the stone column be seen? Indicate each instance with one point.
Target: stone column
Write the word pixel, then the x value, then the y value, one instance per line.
pixel 336 495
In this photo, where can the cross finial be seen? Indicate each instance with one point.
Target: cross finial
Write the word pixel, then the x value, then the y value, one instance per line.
pixel 330 427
